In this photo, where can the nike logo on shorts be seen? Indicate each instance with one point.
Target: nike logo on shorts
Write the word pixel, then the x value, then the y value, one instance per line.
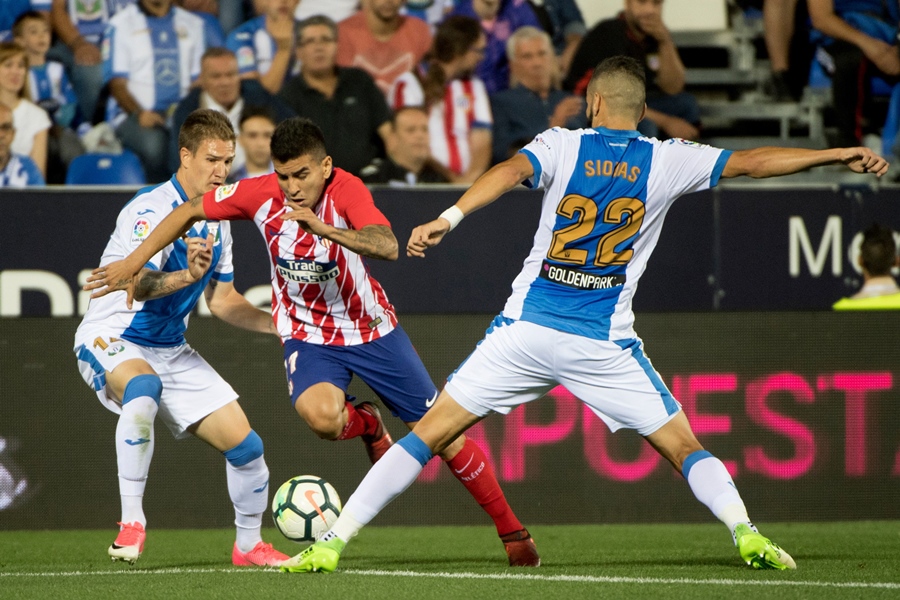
pixel 430 403
pixel 137 442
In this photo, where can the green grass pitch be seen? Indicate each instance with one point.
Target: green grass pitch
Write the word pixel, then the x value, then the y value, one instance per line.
pixel 835 560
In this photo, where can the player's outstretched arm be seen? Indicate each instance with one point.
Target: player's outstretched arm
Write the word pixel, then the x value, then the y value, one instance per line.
pixel 497 181
pixel 150 284
pixel 120 275
pixel 228 304
pixel 772 161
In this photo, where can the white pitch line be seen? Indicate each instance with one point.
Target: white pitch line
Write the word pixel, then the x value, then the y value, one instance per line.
pixel 495 576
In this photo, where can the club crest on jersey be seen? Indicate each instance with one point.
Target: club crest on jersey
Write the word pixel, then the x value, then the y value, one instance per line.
pixel 224 191
pixel 307 271
pixel 140 230
pixel 324 241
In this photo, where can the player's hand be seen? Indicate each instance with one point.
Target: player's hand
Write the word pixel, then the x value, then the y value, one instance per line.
pixel 426 236
pixel 863 160
pixel 304 216
pixel 115 276
pixel 199 256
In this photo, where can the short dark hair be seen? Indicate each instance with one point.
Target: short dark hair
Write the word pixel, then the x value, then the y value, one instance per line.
pixel 254 111
pixel 315 20
pixel 296 137
pixel 878 250
pixel 408 108
pixel 204 124
pixel 217 52
pixel 624 84
pixel 28 15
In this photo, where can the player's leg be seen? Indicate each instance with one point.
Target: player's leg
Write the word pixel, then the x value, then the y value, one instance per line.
pixel 200 402
pixel 468 463
pixel 140 390
pixel 118 371
pixel 227 430
pixel 387 479
pixel 392 368
pixel 618 381
pixel 317 383
pixel 505 370
pixel 714 487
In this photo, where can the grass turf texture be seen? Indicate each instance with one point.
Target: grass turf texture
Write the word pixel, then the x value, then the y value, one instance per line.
pixel 835 560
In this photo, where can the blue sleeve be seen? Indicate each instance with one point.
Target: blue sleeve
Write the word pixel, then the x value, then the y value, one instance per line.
pixel 535 180
pixel 34 174
pixel 719 167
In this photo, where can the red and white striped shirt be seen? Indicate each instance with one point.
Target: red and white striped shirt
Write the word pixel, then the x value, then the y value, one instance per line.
pixel 322 293
pixel 466 106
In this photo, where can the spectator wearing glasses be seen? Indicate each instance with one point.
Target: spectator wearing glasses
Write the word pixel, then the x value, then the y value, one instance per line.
pixel 343 101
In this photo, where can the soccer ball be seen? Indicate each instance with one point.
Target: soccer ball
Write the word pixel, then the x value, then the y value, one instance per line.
pixel 305 507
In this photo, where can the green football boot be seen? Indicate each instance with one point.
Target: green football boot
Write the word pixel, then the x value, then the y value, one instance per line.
pixel 760 552
pixel 321 557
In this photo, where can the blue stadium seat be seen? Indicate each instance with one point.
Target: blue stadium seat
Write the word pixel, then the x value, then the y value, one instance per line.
pixel 106 169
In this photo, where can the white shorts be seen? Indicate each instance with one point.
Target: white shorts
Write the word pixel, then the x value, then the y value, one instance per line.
pixel 519 361
pixel 191 388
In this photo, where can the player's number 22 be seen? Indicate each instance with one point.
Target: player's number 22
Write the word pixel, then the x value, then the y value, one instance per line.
pixel 628 213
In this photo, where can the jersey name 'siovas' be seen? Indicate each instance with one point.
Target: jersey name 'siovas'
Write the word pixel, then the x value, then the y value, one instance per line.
pixel 606 195
pixel 322 293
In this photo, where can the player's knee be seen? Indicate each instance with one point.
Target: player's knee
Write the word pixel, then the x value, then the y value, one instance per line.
pixel 247 451
pixel 325 419
pixel 143 385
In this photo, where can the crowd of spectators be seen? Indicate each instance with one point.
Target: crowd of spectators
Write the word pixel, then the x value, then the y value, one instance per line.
pixel 404 91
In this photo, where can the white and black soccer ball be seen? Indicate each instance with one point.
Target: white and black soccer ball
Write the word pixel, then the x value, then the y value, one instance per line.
pixel 305 507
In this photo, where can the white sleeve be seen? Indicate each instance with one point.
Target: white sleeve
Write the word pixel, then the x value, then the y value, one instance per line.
pixel 224 270
pixel 482 105
pixel 543 152
pixel 686 166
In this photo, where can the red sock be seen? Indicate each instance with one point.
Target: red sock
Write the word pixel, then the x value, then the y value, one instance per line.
pixel 471 467
pixel 358 423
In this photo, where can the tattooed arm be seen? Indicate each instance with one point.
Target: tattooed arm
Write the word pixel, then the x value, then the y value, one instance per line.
pixel 150 284
pixel 372 241
pixel 119 275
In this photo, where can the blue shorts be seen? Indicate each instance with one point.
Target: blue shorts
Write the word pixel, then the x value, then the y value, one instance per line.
pixel 388 365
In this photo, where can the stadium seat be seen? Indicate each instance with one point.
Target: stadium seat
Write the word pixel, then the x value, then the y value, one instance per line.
pixel 106 169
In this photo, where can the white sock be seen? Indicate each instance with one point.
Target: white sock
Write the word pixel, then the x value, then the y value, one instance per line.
pixel 386 480
pixel 134 452
pixel 249 491
pixel 713 486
